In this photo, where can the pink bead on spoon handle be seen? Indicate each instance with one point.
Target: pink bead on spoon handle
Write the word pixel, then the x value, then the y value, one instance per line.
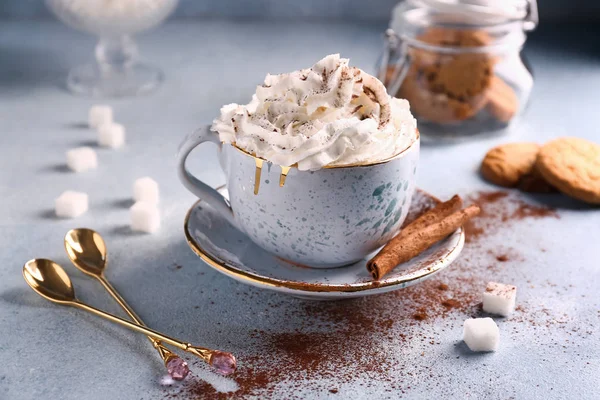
pixel 222 361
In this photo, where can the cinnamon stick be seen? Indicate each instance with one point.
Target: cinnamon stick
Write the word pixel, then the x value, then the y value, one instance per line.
pixel 417 240
pixel 441 210
pixel 438 212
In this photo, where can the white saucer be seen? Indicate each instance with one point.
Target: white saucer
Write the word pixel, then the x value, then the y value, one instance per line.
pixel 232 253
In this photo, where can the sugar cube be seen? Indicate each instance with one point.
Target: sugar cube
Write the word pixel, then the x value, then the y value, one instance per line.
pixel 81 159
pixel 111 135
pixel 146 190
pixel 481 334
pixel 71 204
pixel 499 299
pixel 100 115
pixel 145 217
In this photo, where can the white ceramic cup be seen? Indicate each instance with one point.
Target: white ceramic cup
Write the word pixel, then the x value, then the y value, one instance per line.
pixel 322 219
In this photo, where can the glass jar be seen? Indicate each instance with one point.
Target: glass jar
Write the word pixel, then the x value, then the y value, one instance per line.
pixel 459 63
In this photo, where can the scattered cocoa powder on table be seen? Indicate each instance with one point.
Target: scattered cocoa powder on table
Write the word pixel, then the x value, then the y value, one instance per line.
pixel 420 315
pixel 343 340
pixel 500 209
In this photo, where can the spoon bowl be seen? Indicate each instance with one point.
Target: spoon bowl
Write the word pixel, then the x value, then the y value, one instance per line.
pixel 49 280
pixel 87 250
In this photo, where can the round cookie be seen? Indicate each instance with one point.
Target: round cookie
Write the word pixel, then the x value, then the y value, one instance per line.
pixel 436 107
pixel 507 164
pixel 457 82
pixel 461 77
pixel 448 88
pixel 572 165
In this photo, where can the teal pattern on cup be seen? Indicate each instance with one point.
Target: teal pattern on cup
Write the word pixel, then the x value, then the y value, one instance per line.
pixel 322 219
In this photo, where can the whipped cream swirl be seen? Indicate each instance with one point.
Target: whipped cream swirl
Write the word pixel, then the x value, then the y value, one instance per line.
pixel 329 115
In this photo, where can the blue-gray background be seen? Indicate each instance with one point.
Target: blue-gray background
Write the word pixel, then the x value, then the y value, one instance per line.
pixel 368 10
pixel 549 351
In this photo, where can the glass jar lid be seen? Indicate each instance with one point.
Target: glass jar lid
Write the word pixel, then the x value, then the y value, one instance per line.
pixel 484 12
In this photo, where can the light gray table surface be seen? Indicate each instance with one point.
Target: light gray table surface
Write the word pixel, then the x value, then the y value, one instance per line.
pixel 51 352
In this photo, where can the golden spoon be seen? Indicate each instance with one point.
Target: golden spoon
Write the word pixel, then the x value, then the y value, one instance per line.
pixel 49 280
pixel 87 251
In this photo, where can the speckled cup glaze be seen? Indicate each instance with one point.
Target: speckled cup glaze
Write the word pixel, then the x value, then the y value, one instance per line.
pixel 323 219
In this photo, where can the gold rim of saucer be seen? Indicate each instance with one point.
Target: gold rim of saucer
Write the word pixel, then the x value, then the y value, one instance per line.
pixel 411 144
pixel 251 278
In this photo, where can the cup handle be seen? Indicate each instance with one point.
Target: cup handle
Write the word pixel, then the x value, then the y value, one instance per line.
pixel 195 185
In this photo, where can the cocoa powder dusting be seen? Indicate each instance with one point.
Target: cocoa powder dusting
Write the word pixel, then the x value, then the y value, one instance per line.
pixel 421 315
pixel 499 208
pixel 350 339
pixel 451 303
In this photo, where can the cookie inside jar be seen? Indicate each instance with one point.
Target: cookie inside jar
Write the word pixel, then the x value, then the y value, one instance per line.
pixel 447 88
pixel 463 74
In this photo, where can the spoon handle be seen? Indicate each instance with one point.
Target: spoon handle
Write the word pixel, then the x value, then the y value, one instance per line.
pixel 113 292
pixel 198 351
pixel 165 353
